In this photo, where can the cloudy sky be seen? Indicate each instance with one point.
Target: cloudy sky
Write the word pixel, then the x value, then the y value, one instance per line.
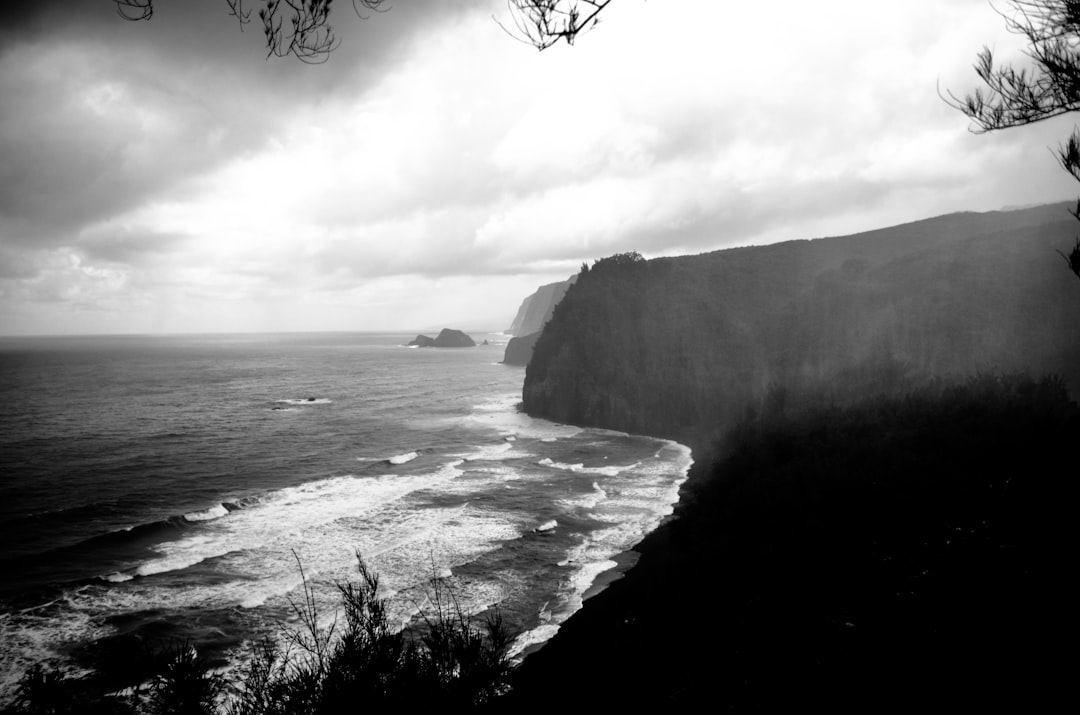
pixel 164 176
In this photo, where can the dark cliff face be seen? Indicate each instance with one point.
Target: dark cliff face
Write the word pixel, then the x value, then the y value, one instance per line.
pixel 519 350
pixel 667 345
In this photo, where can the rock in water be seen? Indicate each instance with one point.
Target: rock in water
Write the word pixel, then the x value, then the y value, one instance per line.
pixel 447 338
pixel 453 339
pixel 422 341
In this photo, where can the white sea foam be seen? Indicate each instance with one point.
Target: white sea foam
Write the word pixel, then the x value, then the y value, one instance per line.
pixel 634 502
pixel 32 636
pixel 403 458
pixel 281 516
pixel 549 525
pixel 609 471
pixel 214 512
pixel 404 544
pixel 116 577
pixel 587 502
pixel 502 414
pixel 324 521
pixel 493 453
pixel 551 618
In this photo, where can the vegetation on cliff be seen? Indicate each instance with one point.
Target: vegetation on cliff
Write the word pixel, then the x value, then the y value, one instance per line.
pixel 668 345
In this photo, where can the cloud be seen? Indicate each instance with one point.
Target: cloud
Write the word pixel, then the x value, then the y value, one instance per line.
pixel 103 115
pixel 161 174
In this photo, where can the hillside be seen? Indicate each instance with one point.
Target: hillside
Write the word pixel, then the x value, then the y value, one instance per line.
pixel 673 346
pixel 902 554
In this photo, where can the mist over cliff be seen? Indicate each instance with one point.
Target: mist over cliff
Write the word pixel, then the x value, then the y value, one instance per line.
pixel 667 345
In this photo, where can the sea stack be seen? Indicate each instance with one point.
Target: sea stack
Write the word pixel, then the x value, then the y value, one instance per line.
pixel 447 338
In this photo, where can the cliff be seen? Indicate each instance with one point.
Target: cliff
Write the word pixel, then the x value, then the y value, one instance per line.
pixel 861 530
pixel 519 350
pixel 673 346
pixel 536 310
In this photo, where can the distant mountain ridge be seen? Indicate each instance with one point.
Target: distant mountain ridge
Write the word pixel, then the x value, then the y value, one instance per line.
pixel 665 346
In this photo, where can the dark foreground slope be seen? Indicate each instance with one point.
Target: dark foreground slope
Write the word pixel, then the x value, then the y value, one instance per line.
pixel 902 554
pixel 667 346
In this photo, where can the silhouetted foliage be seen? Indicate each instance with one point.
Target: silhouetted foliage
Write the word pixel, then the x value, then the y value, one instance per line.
pixel 1049 88
pixel 184 684
pixel 302 28
pixel 45 691
pixel 466 664
pixel 446 660
pixel 321 666
pixel 1072 259
pixel 618 260
pixel 543 23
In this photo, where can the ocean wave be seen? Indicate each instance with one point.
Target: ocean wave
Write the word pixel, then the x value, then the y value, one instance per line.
pixel 153 531
pixel 466 520
pixel 632 503
pixel 571 599
pixel 116 577
pixel 502 413
pixel 215 512
pixel 281 517
pixel 32 636
pixel 587 502
pixel 304 401
pixel 491 453
pixel 403 458
pixel 609 471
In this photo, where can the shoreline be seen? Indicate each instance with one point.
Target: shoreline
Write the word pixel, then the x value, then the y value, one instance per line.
pixel 625 560
pixel 604 595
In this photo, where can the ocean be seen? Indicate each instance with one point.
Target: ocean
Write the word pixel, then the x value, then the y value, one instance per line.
pixel 162 488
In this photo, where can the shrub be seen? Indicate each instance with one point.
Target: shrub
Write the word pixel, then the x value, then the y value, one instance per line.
pixel 444 659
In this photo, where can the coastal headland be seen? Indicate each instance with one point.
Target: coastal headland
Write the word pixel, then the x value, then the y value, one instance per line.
pixel 874 520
